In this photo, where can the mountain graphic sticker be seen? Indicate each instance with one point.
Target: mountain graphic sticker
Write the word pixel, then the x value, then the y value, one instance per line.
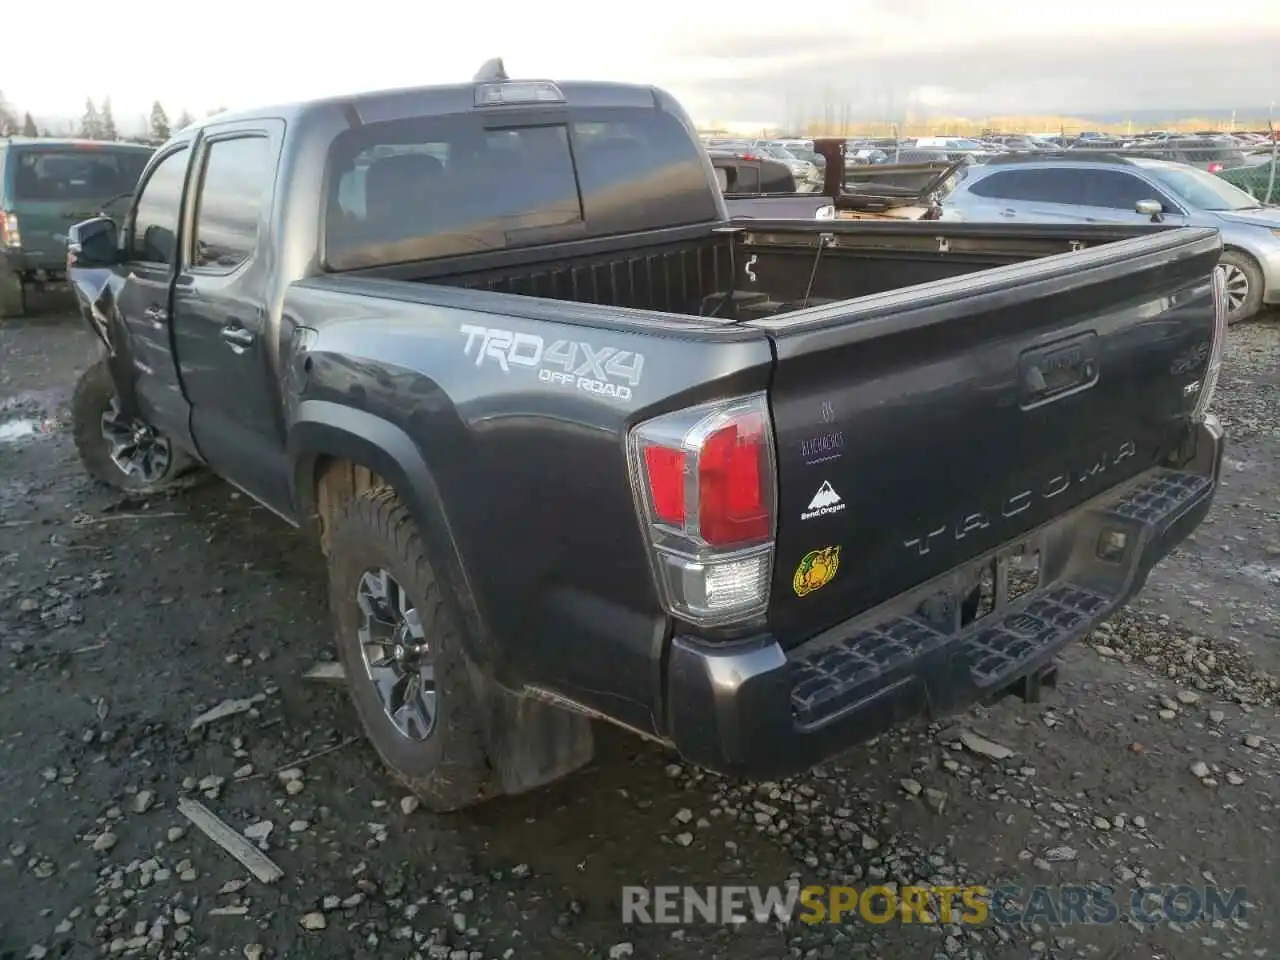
pixel 825 501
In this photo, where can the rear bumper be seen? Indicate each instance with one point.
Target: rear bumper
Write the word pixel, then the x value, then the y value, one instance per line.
pixel 756 710
pixel 16 263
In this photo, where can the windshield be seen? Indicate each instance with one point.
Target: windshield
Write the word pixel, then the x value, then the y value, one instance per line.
pixel 1202 190
pixel 76 174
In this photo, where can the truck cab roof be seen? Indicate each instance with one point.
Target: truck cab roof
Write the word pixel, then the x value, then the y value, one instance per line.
pixel 439 99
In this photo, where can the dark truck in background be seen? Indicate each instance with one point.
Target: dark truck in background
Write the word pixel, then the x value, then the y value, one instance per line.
pixel 576 446
pixel 46 185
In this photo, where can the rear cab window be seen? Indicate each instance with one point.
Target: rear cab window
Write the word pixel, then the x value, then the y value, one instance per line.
pixel 442 186
pixel 41 173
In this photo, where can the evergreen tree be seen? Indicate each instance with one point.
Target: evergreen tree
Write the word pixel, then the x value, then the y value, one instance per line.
pixel 29 126
pixel 109 131
pixel 159 123
pixel 91 123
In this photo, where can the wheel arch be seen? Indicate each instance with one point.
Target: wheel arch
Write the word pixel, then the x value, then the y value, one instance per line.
pixel 338 451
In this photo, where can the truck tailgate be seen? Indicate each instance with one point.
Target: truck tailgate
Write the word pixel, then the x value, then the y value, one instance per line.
pixel 922 427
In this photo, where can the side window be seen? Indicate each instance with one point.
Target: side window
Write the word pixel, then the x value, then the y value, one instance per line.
pixel 153 237
pixel 233 190
pixel 1115 190
pixel 1007 185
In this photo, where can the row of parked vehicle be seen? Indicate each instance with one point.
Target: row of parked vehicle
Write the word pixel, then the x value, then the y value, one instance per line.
pixel 1156 178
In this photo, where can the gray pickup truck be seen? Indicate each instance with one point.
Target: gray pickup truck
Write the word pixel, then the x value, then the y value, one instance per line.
pixel 576 446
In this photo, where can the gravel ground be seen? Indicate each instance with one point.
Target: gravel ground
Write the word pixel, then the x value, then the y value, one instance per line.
pixel 1155 760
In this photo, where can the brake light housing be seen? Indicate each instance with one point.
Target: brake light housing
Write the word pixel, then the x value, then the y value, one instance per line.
pixel 1217 347
pixel 1216 166
pixel 704 482
pixel 10 235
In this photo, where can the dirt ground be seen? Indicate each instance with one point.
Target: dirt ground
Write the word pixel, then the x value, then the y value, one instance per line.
pixel 1154 761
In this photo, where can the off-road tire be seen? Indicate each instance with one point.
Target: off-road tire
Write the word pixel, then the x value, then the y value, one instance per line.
pixel 13 297
pixel 1253 273
pixel 91 398
pixel 450 769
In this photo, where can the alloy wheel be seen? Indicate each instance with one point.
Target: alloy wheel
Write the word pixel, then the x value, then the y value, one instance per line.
pixel 134 447
pixel 396 655
pixel 1237 284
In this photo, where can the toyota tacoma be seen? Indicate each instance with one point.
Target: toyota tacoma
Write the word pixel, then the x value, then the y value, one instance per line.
pixel 577 446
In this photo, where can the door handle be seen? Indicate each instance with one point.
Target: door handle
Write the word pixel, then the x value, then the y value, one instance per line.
pixel 237 336
pixel 1009 214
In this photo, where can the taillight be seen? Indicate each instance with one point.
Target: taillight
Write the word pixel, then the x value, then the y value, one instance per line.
pixel 1215 166
pixel 704 483
pixel 1209 383
pixel 9 234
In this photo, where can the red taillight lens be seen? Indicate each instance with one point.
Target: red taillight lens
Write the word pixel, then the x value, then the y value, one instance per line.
pixel 665 471
pixel 731 485
pixel 704 483
pixel 1215 167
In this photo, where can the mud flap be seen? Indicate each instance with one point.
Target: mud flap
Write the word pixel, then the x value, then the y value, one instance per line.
pixel 530 743
pixel 13 301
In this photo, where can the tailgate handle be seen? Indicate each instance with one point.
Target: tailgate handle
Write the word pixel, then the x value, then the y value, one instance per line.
pixel 1057 370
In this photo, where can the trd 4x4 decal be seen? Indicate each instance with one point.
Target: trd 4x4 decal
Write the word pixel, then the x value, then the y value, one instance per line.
pixel 604 371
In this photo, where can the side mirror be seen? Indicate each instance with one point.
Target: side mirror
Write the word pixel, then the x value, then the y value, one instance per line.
pixel 1150 208
pixel 93 243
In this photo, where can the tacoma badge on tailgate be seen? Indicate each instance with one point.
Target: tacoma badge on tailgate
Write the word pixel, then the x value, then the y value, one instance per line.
pixel 1057 370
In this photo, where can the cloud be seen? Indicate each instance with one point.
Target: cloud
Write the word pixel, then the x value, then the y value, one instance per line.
pixel 1119 72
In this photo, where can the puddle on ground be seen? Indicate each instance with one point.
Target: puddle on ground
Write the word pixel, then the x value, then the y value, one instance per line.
pixel 1263 572
pixel 25 428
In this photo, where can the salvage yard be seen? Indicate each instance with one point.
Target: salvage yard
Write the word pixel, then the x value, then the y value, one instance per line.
pixel 1156 760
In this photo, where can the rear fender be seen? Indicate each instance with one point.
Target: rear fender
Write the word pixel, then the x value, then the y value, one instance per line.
pixel 323 430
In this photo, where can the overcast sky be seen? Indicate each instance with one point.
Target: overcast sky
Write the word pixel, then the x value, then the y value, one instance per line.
pixel 729 62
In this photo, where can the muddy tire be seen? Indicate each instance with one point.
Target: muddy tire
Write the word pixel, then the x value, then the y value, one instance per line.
pixel 13 297
pixel 152 465
pixel 385 601
pixel 1244 285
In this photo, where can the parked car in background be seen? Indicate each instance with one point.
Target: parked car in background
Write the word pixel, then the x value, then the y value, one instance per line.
pixel 805 151
pixel 1213 154
pixel 1108 188
pixel 805 171
pixel 46 186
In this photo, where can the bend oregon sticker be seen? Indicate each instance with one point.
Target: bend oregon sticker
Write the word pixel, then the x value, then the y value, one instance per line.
pixel 816 570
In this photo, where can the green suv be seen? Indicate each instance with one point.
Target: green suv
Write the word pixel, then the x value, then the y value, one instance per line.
pixel 45 187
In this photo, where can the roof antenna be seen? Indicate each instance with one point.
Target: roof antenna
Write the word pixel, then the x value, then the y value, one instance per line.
pixel 493 70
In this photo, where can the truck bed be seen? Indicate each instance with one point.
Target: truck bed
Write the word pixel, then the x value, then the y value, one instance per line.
pixel 769 267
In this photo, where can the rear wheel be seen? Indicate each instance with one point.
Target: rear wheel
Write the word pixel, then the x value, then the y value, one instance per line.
pixel 401 650
pixel 116 450
pixel 1244 285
